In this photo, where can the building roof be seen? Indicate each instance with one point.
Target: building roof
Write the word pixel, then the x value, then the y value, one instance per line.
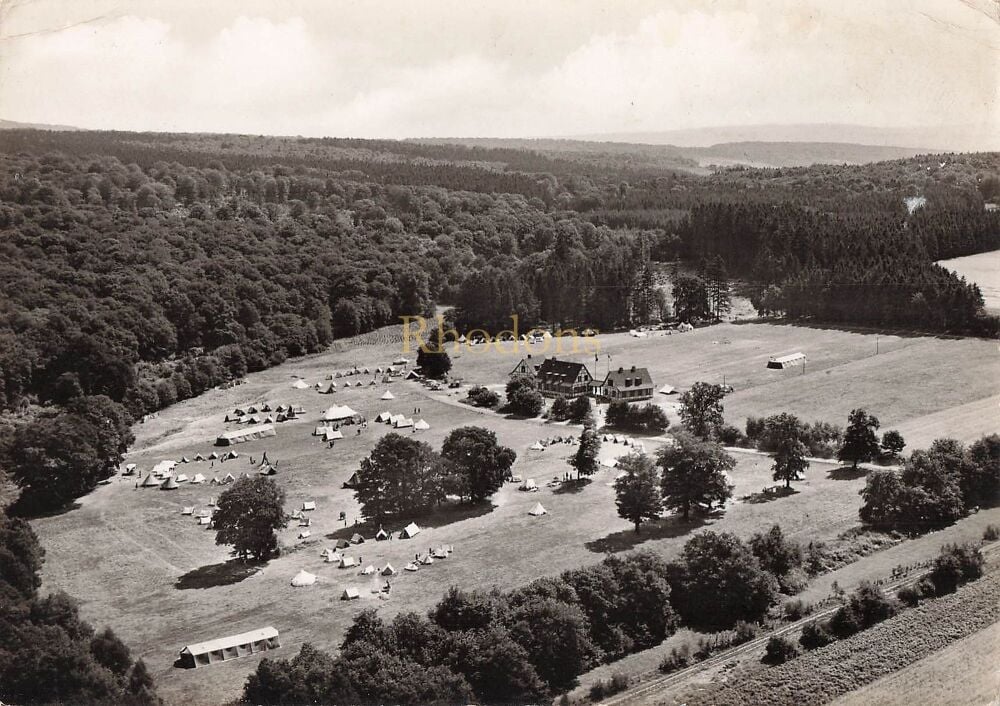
pixel 632 377
pixel 790 358
pixel 554 369
pixel 222 643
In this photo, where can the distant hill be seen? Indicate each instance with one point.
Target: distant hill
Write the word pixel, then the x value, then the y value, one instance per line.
pixel 948 138
pixel 669 156
pixel 14 125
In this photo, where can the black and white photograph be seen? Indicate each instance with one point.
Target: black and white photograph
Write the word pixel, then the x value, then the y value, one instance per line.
pixel 499 352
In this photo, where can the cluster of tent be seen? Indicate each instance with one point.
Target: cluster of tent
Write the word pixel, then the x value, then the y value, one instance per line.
pixel 328 433
pixel 400 421
pixel 541 444
pixel 265 414
pixel 343 561
pixel 637 446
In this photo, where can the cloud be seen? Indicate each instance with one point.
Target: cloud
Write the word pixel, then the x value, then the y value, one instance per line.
pixel 457 68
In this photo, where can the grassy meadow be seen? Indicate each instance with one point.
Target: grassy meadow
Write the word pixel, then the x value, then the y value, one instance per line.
pixel 162 582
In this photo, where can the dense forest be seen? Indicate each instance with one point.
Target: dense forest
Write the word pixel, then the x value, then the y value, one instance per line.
pixel 146 268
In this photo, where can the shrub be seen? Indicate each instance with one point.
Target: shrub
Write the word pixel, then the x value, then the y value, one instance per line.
pixel 732 436
pixel 619 682
pixel 704 650
pixel 956 565
pixel 991 533
pixel 744 632
pixel 616 684
pixel 678 658
pixel 480 396
pixel 779 650
pixel 909 595
pixel 816 634
pixel 796 609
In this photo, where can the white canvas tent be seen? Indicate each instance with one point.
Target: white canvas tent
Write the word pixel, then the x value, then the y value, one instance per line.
pixel 333 435
pixel 238 436
pixel 309 505
pixel 528 484
pixel 537 510
pixel 668 390
pixel 303 578
pixel 387 396
pixel 403 423
pixel 338 413
pixel 411 567
pixel 187 510
pixel 198 478
pixel 300 385
pixel 368 570
pixel 383 417
pixel 347 562
pixel 332 556
pixel 202 654
pixel 388 570
pixel 784 361
pixel 421 425
pixel 410 531
pixel 537 446
pixel 149 482
pixel 350 594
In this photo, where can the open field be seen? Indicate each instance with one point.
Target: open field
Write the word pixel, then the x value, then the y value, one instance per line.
pixel 984 270
pixel 933 680
pixel 160 579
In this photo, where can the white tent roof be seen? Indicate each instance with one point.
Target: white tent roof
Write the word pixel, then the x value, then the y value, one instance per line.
pixel 383 417
pixel 198 478
pixel 388 570
pixel 222 643
pixel 421 425
pixel 528 484
pixel 347 561
pixel 332 434
pixel 303 578
pixel 411 530
pixel 338 412
pixel 537 510
pixel 668 390
pixel 610 463
pixel 350 594
pixel 537 446
pixel 403 423
pixel 309 505
pixel 388 396
pixel 368 570
pixel 300 385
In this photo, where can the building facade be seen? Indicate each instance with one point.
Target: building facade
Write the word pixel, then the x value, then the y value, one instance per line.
pixel 625 385
pixel 563 378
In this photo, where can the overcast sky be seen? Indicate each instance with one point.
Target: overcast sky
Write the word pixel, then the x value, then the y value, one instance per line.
pixel 506 68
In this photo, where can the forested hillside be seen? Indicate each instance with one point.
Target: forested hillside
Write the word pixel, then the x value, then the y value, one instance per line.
pixel 149 267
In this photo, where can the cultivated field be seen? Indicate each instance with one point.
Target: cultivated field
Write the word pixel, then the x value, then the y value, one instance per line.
pixel 965 673
pixel 137 563
pixel 984 270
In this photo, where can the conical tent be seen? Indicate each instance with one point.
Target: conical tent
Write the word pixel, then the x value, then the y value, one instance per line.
pixel 300 385
pixel 351 482
pixel 303 578
pixel 388 396
pixel 381 535
pixel 169 484
pixel 149 481
pixel 228 478
pixel 213 456
pixel 388 570
pixel 199 457
pixel 421 425
pixel 537 510
pixel 426 559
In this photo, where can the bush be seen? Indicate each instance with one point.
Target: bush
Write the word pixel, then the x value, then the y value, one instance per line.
pixel 956 565
pixel 909 595
pixel 678 658
pixel 816 634
pixel 616 684
pixel 732 436
pixel 744 632
pixel 991 533
pixel 779 650
pixel 480 396
pixel 797 609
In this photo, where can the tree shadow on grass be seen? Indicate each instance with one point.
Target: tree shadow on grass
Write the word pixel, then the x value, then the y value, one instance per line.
pixel 225 573
pixel 766 496
pixel 572 486
pixel 847 473
pixel 446 514
pixel 664 528
pixel 26 511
